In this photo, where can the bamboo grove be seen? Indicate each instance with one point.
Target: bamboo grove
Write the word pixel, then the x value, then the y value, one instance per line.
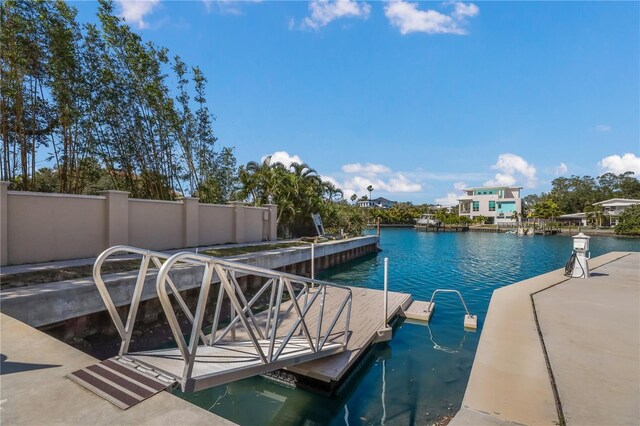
pixel 92 103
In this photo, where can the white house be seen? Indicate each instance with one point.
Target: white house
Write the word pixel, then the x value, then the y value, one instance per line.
pixel 497 203
pixel 613 207
pixel 379 202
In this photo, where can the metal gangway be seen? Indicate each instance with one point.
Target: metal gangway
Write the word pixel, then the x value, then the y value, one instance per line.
pixel 285 321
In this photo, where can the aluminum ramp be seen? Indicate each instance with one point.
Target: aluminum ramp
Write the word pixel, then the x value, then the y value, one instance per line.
pixel 257 338
pixel 220 364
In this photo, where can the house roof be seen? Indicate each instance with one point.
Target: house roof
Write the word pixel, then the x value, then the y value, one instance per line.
pixel 617 202
pixel 573 216
pixel 492 187
pixel 382 200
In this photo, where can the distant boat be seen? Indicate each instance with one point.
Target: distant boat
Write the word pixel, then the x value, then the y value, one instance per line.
pixel 427 220
pixel 525 231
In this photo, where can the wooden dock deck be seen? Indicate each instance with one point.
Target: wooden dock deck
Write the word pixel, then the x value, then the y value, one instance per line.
pixel 366 320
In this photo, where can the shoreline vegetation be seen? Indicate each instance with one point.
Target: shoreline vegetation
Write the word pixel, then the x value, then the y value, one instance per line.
pixel 109 110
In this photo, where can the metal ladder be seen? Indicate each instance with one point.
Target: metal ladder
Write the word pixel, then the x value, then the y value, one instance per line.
pixel 470 321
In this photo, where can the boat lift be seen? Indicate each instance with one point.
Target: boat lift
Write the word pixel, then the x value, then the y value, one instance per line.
pixel 204 359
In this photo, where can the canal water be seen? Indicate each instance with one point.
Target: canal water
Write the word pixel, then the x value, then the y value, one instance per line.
pixel 421 374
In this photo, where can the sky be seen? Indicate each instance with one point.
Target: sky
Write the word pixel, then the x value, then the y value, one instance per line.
pixel 418 99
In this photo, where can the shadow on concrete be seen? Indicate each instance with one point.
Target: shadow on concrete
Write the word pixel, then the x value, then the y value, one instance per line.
pixel 18 367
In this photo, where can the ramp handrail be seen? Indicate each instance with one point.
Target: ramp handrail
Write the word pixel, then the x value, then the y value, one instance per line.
pixel 227 273
pixel 125 330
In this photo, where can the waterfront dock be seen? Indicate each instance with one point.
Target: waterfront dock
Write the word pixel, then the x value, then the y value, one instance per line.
pixel 366 320
pixel 558 350
pixel 35 390
pixel 441 228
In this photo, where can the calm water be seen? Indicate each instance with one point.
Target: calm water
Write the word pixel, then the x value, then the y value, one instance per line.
pixel 422 373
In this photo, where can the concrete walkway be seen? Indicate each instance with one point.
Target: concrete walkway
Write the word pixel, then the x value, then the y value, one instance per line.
pixel 555 349
pixel 35 390
pixel 591 329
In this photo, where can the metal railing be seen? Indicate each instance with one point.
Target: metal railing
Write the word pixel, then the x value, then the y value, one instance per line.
pixel 288 295
pixel 125 330
pixel 448 291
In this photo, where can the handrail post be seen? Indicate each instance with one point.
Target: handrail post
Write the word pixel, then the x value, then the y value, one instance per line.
pixel 313 263
pixel 386 290
pixel 135 301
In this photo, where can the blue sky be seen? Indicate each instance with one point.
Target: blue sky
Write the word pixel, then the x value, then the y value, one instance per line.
pixel 419 99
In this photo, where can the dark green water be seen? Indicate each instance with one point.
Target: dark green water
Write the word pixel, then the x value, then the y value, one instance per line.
pixel 422 373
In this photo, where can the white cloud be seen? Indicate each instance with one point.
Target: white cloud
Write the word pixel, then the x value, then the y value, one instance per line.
pixel 366 169
pixel 399 183
pixel 463 10
pixel 501 180
pixel 509 166
pixel 283 157
pixel 134 11
pixel 408 18
pixel 451 199
pixel 228 7
pixel 616 164
pixel 208 5
pixel 357 177
pixel 603 128
pixel 325 11
pixel 561 169
pixel 460 186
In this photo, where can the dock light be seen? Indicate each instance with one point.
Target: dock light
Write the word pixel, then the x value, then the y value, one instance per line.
pixel 580 258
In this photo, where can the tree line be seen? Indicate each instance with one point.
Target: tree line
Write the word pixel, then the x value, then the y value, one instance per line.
pixel 95 102
pixel 577 194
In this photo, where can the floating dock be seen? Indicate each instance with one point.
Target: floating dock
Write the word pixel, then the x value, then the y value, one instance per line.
pixel 366 320
pixel 441 228
pixel 312 328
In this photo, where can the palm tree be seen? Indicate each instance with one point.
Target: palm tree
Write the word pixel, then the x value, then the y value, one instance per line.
pixel 370 189
pixel 332 192
pixel 516 217
pixel 353 198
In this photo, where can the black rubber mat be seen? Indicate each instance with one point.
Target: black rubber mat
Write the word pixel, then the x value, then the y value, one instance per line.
pixel 121 385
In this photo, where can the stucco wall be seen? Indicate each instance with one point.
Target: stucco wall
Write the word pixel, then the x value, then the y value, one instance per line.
pixel 43 227
pixel 155 225
pixel 253 223
pixel 214 224
pixel 37 227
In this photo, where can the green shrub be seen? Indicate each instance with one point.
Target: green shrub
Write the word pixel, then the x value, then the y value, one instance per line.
pixel 629 221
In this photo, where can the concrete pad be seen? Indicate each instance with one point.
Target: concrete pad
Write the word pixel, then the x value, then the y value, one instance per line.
pixel 35 391
pixel 591 329
pixel 509 379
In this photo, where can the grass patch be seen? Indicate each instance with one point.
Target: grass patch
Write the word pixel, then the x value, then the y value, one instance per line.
pixel 86 271
pixel 235 251
pixel 63 274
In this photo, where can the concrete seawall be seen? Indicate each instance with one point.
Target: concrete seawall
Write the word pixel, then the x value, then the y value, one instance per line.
pixel 558 350
pixel 45 304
